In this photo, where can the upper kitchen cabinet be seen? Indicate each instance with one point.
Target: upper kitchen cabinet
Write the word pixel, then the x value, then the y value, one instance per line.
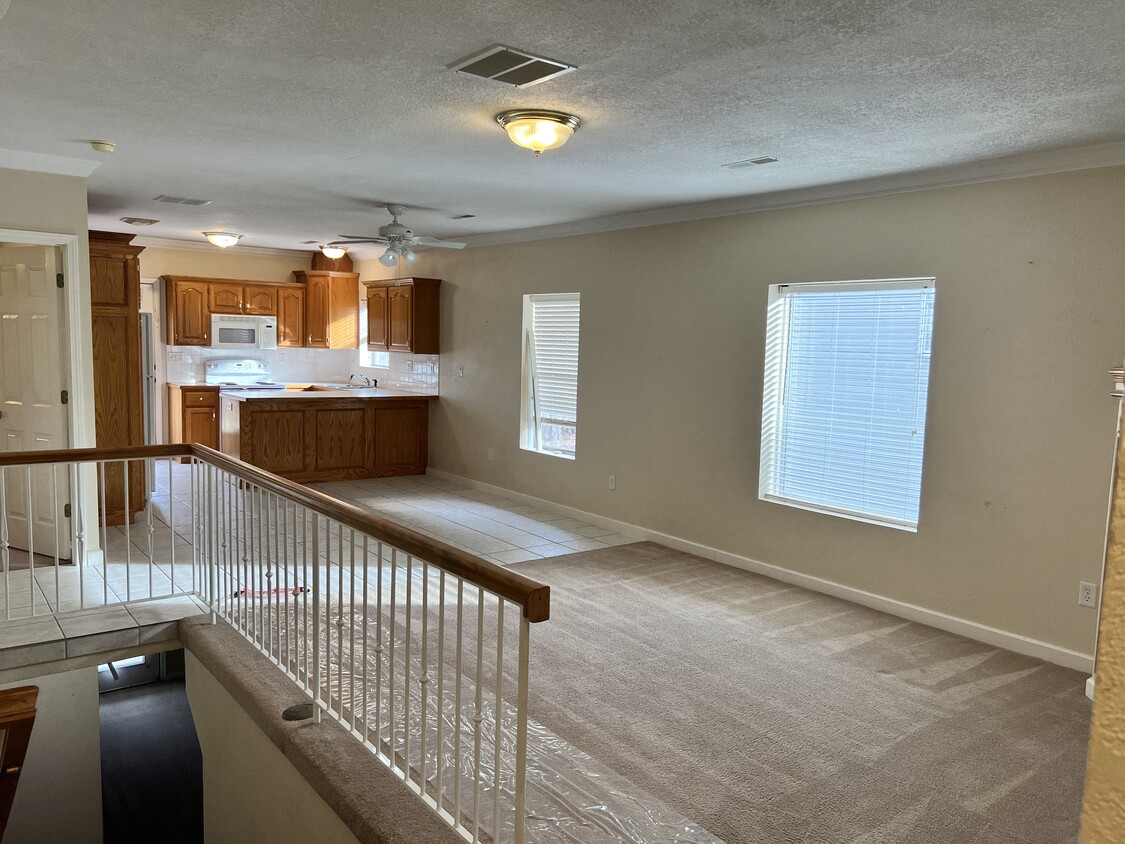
pixel 225 298
pixel 404 315
pixel 291 316
pixel 331 309
pixel 232 298
pixel 259 299
pixel 188 306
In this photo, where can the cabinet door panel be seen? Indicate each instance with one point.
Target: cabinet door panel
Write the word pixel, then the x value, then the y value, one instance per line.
pixel 316 313
pixel 291 317
pixel 109 280
pixel 400 312
pixel 191 320
pixel 377 335
pixel 275 440
pixel 259 300
pixel 340 439
pixel 226 298
pixel 400 440
pixel 201 425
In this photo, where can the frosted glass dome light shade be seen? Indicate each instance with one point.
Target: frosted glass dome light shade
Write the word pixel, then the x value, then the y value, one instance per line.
pixel 222 239
pixel 538 130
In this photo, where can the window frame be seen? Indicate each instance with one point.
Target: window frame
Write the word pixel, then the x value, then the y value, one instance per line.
pixel 775 367
pixel 530 423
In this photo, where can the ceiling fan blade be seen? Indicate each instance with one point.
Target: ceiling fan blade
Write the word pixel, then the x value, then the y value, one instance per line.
pixel 439 244
pixel 352 240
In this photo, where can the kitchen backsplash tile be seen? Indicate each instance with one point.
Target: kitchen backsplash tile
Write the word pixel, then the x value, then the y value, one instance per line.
pixel 186 363
pixel 414 373
pixel 417 373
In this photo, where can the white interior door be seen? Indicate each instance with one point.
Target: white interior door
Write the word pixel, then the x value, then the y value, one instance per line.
pixel 32 414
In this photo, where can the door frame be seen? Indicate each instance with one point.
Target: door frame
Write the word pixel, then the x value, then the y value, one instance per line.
pixel 79 401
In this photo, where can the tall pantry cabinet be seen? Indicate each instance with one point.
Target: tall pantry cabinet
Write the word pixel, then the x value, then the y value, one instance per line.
pixel 115 298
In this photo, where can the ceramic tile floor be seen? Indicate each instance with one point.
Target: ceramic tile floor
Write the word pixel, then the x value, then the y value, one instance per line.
pixel 494 527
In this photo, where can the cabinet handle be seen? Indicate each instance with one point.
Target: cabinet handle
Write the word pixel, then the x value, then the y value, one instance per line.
pixel 212 416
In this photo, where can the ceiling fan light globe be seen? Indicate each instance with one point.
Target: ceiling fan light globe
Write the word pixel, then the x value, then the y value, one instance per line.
pixel 409 255
pixel 388 258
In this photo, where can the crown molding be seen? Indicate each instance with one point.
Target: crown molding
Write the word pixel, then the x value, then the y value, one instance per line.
pixel 1014 167
pixel 203 246
pixel 39 162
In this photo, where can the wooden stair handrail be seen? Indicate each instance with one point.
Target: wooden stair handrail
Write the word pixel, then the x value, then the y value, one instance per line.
pixel 532 596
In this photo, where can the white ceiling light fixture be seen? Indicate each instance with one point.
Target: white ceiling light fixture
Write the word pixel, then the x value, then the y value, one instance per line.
pixel 538 129
pixel 103 146
pixel 222 239
pixel 334 253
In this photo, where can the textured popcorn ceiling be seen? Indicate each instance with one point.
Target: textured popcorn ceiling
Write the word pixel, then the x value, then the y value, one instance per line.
pixel 298 118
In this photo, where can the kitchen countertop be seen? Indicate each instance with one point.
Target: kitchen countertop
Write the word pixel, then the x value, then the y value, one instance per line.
pixel 284 395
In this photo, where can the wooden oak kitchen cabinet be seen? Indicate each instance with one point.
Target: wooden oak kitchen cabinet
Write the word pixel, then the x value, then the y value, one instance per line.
pixel 325 436
pixel 115 300
pixel 404 315
pixel 193 414
pixel 331 309
pixel 319 311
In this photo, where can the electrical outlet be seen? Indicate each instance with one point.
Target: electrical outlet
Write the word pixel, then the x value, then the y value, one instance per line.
pixel 460 372
pixel 613 481
pixel 1087 594
pixel 410 366
pixel 175 357
pixel 490 454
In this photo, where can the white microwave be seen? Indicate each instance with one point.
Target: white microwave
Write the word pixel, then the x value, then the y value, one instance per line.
pixel 243 332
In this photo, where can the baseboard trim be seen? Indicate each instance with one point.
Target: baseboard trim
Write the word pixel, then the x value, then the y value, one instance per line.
pixel 912 612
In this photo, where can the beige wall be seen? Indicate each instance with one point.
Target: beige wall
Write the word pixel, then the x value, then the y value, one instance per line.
pixel 215 263
pixel 64 764
pixel 1103 816
pixel 251 792
pixel 1030 312
pixel 41 202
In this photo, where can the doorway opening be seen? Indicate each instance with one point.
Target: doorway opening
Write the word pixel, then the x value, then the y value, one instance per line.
pixel 152 767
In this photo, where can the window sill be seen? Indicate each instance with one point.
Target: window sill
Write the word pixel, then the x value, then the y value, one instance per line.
pixel 843 514
pixel 561 454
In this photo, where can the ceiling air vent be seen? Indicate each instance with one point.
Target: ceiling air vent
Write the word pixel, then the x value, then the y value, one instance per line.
pixel 181 200
pixel 750 162
pixel 514 67
pixel 462 216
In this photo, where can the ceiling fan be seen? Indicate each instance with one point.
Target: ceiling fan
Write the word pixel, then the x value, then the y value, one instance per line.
pixel 400 240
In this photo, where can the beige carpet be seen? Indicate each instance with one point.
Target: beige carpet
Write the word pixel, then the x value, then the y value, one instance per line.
pixel 769 713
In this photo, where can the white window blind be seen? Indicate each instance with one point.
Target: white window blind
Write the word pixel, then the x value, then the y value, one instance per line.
pixel 551 324
pixel 844 411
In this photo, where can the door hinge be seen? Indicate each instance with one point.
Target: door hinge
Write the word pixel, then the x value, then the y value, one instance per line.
pixel 58 280
pixel 65 397
pixel 66 511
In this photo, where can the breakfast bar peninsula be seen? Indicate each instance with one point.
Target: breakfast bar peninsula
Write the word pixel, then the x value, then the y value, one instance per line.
pixel 321 433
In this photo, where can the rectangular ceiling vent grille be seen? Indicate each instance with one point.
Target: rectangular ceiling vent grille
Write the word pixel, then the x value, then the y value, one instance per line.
pixel 750 162
pixel 513 67
pixel 181 200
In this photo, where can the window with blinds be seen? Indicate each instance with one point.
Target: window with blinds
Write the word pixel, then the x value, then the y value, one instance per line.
pixel 844 409
pixel 550 393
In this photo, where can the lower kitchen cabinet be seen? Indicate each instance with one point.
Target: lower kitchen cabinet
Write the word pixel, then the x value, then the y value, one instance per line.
pixel 318 439
pixel 193 415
